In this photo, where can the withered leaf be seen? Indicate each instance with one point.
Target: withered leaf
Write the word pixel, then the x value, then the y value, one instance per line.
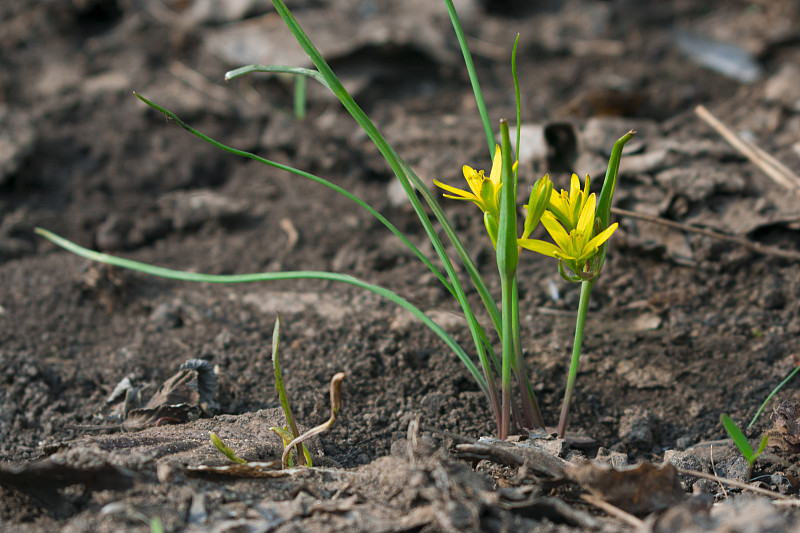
pixel 640 489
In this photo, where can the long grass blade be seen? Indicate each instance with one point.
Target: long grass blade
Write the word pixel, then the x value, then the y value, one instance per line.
pixel 473 76
pixel 344 192
pixel 268 276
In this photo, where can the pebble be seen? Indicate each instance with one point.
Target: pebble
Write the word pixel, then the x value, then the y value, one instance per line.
pixel 636 428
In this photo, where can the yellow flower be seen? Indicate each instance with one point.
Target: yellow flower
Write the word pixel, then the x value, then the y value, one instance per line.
pixel 574 247
pixel 485 191
pixel 568 207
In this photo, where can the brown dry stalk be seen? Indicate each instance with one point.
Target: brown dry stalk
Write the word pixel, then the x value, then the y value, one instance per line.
pixel 746 243
pixel 336 403
pixel 773 168
pixel 734 483
pixel 613 510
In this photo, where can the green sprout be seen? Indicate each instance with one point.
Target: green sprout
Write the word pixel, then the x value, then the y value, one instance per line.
pixel 740 439
pixel 290 431
pixel 289 434
pixel 224 450
pixel 771 394
pixel 579 228
pixel 156 526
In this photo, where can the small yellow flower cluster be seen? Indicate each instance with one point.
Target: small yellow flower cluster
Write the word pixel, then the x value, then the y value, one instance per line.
pixel 569 217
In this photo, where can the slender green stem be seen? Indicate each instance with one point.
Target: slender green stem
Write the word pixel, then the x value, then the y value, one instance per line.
pixel 516 97
pixel 269 276
pixel 507 259
pixel 344 192
pixel 300 97
pixel 583 306
pixel 771 394
pixel 530 407
pixel 302 452
pixel 473 76
pixel 506 287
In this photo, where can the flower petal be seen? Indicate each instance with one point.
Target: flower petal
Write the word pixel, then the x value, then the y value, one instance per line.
pixel 460 194
pixel 541 247
pixel 603 236
pixel 474 179
pixel 497 166
pixel 586 220
pixel 556 230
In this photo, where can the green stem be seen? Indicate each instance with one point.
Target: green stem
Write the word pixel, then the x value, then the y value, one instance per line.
pixel 300 97
pixel 583 306
pixel 507 259
pixel 344 192
pixel 530 407
pixel 302 452
pixel 269 276
pixel 506 286
pixel 771 394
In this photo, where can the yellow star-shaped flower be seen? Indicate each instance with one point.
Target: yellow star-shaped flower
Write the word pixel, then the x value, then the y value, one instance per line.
pixel 484 191
pixel 574 247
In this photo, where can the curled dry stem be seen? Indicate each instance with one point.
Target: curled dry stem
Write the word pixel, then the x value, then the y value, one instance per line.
pixel 336 403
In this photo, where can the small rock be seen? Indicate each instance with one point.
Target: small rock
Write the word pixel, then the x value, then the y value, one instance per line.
pixel 615 459
pixel 784 87
pixel 686 461
pixel 166 316
pixel 636 428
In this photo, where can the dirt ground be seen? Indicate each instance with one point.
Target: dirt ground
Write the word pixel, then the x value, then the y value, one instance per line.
pixel 683 326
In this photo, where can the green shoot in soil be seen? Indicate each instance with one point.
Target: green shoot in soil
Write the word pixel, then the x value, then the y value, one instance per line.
pixel 227 452
pixel 740 439
pixel 290 434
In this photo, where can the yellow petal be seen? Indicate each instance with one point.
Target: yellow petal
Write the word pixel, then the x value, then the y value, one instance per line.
pixel 603 236
pixel 586 221
pixel 556 230
pixel 497 166
pixel 460 193
pixel 474 179
pixel 574 187
pixel 538 246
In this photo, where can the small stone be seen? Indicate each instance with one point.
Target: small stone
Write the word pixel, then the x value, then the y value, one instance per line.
pixel 636 428
pixel 684 460
pixel 784 87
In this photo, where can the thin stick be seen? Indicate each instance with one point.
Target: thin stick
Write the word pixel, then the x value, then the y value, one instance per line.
pixel 734 483
pixel 714 468
pixel 750 245
pixel 336 404
pixel 613 510
pixel 773 168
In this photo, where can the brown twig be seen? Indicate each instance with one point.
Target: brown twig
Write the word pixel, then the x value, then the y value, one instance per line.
pixel 714 469
pixel 734 483
pixel 773 168
pixel 336 404
pixel 613 510
pixel 750 245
